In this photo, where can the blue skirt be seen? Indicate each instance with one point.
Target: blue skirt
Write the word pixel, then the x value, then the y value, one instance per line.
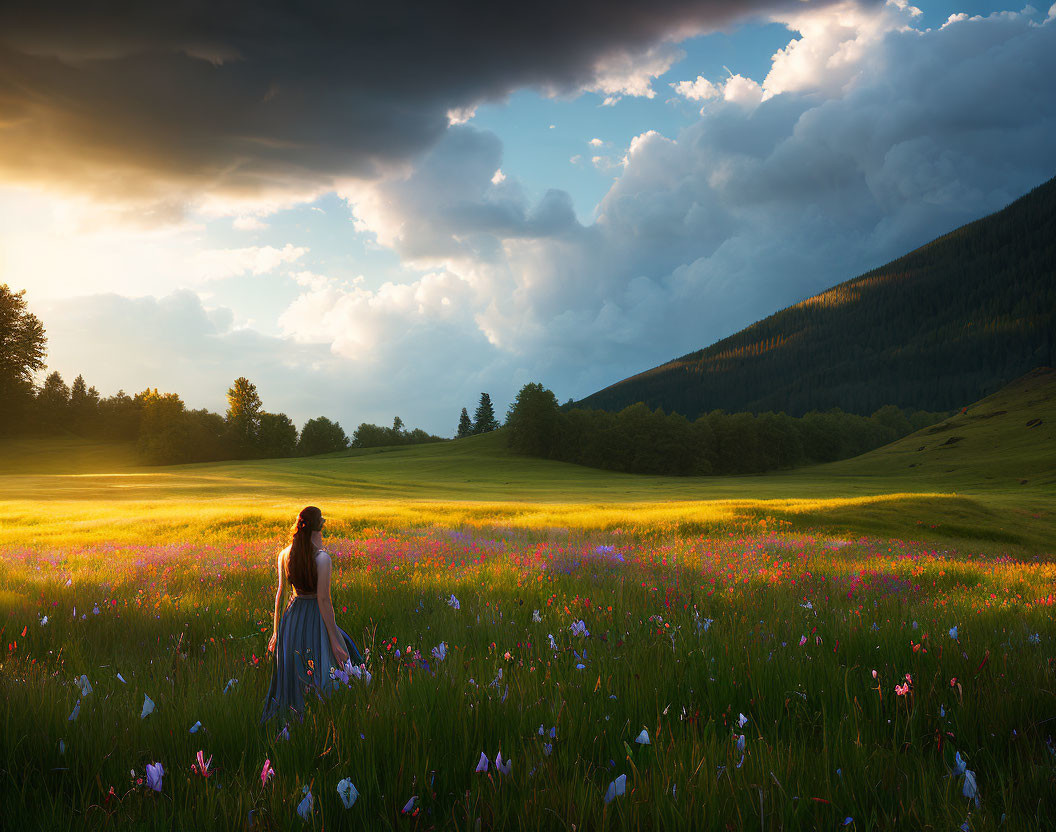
pixel 302 658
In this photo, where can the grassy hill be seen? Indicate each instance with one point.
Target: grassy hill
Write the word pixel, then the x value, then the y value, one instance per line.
pixel 942 326
pixel 995 483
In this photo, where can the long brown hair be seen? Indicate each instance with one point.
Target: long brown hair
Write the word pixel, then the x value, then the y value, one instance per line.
pixel 300 564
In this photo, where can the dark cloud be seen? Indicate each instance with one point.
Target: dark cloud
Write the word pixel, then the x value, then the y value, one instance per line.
pixel 155 103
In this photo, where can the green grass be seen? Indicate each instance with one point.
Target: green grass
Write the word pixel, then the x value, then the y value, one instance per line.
pixel 179 562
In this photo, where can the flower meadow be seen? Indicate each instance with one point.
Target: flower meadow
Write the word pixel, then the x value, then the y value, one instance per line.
pixel 537 679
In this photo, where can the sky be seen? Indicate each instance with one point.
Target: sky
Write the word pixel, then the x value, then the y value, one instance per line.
pixel 372 211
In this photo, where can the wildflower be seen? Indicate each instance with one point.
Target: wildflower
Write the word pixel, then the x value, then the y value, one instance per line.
pixel 742 720
pixel 95 610
pixel 953 682
pixel 579 628
pixel 440 651
pixel 195 728
pixel 503 766
pixel 507 655
pixel 536 617
pixel 202 767
pixel 642 738
pixel 547 748
pixel 953 632
pixel 266 772
pixel 304 808
pixel 969 789
pixel 347 792
pixel 230 684
pixel 874 674
pixel 959 765
pixel 616 788
pixel 284 734
pixel 901 690
pixel 802 640
pixel 121 679
pixel 553 644
pixel 482 764
pixel 1033 638
pixel 44 621
pixel 62 747
pixel 452 602
pixel 408 807
pixel 154 774
pixel 740 748
pixel 74 713
pixel 148 707
pixel 86 686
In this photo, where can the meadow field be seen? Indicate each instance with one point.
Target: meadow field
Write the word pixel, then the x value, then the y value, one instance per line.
pixel 863 645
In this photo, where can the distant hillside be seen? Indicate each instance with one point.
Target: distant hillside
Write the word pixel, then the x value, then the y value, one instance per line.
pixel 1006 440
pixel 942 326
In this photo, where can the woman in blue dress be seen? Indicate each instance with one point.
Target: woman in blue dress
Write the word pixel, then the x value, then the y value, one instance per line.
pixel 307 641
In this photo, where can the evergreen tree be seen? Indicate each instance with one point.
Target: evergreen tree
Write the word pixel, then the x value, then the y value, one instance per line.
pixel 484 419
pixel 22 350
pixel 53 404
pixel 84 407
pixel 465 426
pixel 243 415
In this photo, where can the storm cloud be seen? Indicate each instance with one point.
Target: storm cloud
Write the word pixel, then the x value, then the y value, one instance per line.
pixel 155 107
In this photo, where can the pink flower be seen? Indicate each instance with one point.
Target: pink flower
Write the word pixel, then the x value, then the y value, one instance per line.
pixel 953 682
pixel 802 641
pixel 874 674
pixel 203 765
pixel 266 772
pixel 909 678
pixel 901 690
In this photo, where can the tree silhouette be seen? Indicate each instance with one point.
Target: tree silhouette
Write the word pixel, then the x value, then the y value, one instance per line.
pixel 243 414
pixel 484 419
pixel 22 350
pixel 465 425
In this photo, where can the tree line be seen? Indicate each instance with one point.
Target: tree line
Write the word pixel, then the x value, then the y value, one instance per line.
pixel 164 429
pixel 641 440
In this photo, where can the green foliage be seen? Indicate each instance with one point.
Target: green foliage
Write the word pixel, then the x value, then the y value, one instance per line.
pixel 484 419
pixel 533 421
pixel 22 350
pixel 375 436
pixel 53 404
pixel 465 425
pixel 644 441
pixel 244 410
pixel 321 436
pixel 277 437
pixel 941 327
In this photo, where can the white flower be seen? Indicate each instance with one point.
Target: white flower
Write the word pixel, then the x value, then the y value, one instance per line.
pixel 742 720
pixel 536 617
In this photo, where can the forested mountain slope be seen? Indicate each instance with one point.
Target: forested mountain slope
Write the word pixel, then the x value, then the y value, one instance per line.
pixel 940 327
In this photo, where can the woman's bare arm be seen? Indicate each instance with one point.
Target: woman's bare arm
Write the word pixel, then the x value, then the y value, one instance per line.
pixel 278 595
pixel 326 606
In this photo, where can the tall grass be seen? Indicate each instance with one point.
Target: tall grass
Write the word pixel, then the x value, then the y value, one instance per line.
pixel 824 741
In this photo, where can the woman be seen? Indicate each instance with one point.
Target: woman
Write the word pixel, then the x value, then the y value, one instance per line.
pixel 307 641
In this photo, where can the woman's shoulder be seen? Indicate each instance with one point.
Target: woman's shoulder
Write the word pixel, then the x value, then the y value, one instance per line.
pixel 322 556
